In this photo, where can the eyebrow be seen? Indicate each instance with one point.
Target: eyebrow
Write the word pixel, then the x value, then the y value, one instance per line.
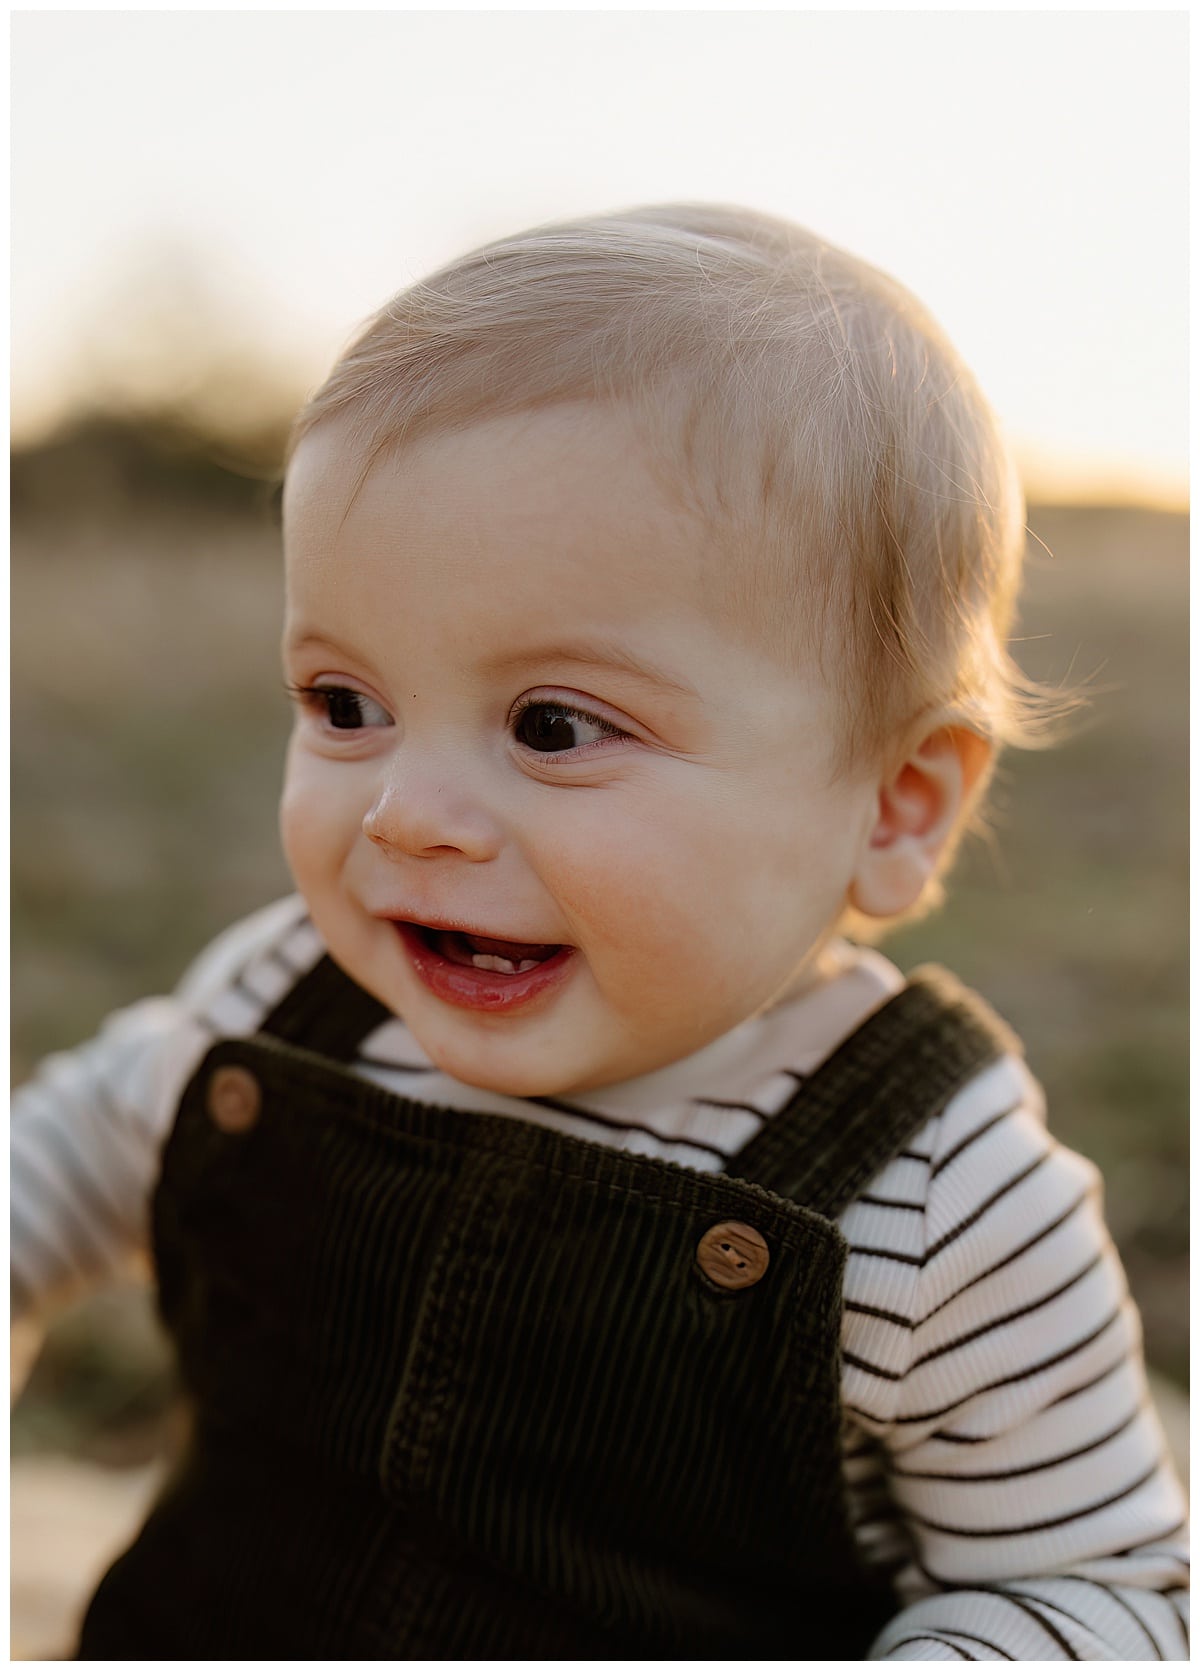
pixel 592 654
pixel 307 640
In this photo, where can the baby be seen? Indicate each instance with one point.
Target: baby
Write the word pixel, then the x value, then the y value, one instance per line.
pixel 575 1245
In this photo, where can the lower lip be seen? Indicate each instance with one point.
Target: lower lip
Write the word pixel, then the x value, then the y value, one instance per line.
pixel 482 989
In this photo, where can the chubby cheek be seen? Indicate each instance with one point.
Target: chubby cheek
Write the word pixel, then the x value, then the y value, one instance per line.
pixel 659 915
pixel 315 826
pixel 703 912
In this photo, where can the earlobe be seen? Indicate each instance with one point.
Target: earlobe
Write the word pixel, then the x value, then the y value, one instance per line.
pixel 919 808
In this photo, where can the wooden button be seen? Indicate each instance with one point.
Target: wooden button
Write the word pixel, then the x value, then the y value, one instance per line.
pixel 733 1255
pixel 234 1099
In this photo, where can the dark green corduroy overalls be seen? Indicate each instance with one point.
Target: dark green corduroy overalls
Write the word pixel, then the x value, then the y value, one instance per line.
pixel 461 1389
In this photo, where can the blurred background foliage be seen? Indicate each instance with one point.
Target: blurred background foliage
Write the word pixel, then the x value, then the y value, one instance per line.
pixel 148 723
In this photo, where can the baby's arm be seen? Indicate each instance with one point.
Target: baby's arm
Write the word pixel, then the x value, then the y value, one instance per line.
pixel 1001 1379
pixel 87 1130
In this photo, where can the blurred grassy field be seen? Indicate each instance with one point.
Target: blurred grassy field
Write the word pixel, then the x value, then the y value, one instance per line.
pixel 1073 918
pixel 148 722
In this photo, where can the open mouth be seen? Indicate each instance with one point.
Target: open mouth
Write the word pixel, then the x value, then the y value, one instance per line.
pixel 478 971
pixel 479 951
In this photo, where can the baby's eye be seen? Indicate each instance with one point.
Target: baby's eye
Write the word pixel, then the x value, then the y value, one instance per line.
pixel 343 708
pixel 551 728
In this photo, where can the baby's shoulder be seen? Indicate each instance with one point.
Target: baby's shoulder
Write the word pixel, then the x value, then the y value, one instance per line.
pixel 990 1133
pixel 975 1219
pixel 251 964
pixel 981 1162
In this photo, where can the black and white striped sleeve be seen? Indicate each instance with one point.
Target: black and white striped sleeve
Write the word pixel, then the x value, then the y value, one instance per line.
pixel 993 1362
pixel 86 1130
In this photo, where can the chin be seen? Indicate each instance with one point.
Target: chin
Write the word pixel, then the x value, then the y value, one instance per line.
pixel 504 1079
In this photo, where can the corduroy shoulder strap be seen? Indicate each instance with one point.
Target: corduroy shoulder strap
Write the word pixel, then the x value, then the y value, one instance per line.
pixel 326 1012
pixel 879 1087
pixel 856 1112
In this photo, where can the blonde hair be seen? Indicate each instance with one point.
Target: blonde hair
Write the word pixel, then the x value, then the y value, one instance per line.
pixel 803 401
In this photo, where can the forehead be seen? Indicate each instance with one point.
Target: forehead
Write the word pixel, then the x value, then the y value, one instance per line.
pixel 552 485
pixel 538 533
pixel 544 531
pixel 576 513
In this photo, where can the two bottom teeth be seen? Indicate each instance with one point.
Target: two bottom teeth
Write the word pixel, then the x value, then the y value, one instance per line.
pixel 502 965
pixel 479 951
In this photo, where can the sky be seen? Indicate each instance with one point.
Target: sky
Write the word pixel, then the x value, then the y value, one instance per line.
pixel 268 178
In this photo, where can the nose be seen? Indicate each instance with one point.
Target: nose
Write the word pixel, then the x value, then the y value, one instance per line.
pixel 430 816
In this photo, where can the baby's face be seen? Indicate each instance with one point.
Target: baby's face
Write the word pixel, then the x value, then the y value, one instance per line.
pixel 542 800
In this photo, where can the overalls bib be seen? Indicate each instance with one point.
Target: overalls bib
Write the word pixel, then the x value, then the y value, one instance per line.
pixel 462 1389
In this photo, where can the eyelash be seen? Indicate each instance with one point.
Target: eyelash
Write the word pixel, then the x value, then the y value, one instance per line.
pixel 568 711
pixel 321 697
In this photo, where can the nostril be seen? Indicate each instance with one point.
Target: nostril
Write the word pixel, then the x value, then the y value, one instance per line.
pixel 382 842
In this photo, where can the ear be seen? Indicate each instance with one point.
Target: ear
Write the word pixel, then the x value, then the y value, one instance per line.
pixel 920 808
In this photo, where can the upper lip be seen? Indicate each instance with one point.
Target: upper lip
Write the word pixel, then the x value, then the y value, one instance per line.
pixel 453 925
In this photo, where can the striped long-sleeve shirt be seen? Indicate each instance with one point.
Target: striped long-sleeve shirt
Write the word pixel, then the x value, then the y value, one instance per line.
pixel 1003 1462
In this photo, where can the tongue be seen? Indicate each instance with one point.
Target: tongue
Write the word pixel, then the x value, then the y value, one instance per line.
pixel 514 950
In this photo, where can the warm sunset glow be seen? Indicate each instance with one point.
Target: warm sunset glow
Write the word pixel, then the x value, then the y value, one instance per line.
pixel 267 178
